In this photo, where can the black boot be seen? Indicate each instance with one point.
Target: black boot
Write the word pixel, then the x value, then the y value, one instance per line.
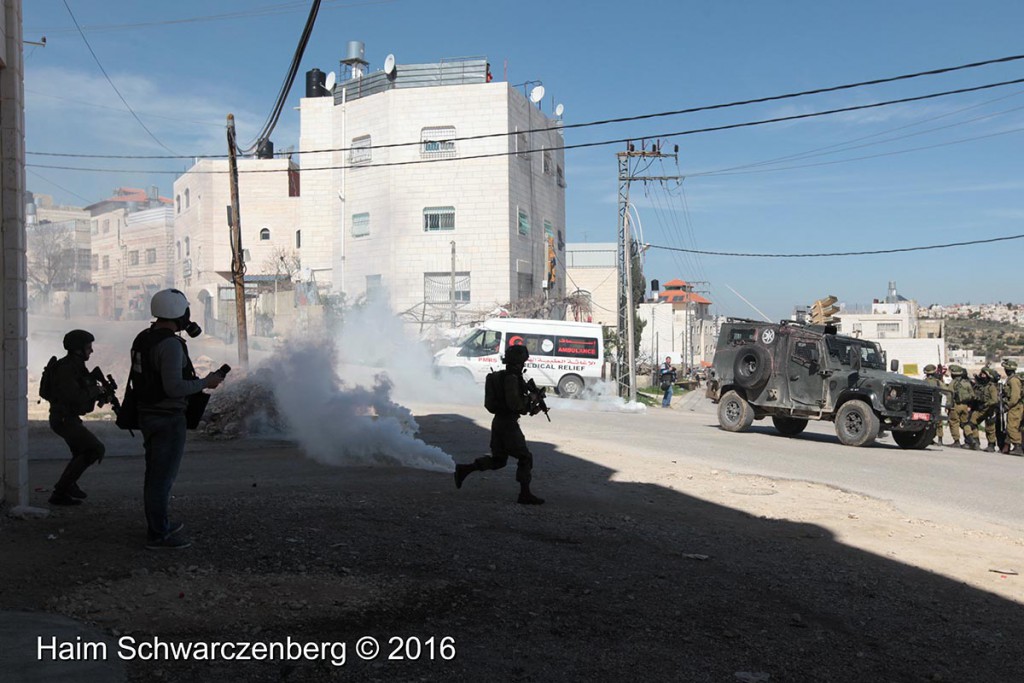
pixel 991 448
pixel 527 498
pixel 461 472
pixel 63 498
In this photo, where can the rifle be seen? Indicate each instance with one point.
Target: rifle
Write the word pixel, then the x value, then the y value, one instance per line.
pixel 109 390
pixel 537 396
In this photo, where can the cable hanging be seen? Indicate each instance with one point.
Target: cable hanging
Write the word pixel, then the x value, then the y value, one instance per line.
pixel 840 253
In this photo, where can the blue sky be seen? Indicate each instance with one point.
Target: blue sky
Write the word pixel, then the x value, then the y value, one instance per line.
pixel 610 59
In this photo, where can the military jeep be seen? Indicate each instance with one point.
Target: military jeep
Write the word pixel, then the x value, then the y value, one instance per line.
pixel 794 373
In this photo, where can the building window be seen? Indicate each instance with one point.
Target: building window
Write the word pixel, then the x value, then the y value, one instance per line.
pixel 525 285
pixel 293 183
pixel 360 152
pixel 298 239
pixel 188 250
pixel 177 204
pixel 524 223
pixel 437 287
pixel 151 256
pixel 106 263
pixel 95 261
pixel 548 168
pixel 888 330
pixel 438 218
pixel 438 142
pixel 178 246
pixel 522 144
pixel 95 227
pixel 549 230
pixel 106 226
pixel 187 195
pixel 133 258
pixel 360 224
pixel 560 176
pixel 374 287
pixel 264 234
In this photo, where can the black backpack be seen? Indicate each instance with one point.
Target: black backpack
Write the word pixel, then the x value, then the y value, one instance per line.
pixel 494 393
pixel 46 388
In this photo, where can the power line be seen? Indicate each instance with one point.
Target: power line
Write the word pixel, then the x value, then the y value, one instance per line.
pixel 601 122
pixel 105 75
pixel 582 145
pixel 85 103
pixel 842 253
pixel 60 187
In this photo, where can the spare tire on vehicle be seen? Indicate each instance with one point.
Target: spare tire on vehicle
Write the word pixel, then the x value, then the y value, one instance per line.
pixel 752 367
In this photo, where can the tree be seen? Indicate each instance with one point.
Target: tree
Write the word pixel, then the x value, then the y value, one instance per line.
pixel 51 257
pixel 283 261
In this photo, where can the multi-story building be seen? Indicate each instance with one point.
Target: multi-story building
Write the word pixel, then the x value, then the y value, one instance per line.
pixel 268 200
pixel 58 250
pixel 132 234
pixel 429 169
pixel 591 270
pixel 679 325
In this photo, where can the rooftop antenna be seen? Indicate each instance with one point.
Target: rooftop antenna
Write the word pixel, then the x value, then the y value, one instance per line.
pixel 559 110
pixel 537 94
pixel 389 66
pixel 328 85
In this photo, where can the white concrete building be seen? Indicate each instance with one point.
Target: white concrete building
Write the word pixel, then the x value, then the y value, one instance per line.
pixel 201 249
pixel 401 179
pixel 592 282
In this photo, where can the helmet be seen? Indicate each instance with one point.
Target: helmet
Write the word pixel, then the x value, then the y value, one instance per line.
pixel 514 355
pixel 986 373
pixel 169 304
pixel 929 369
pixel 1010 365
pixel 77 340
pixel 957 371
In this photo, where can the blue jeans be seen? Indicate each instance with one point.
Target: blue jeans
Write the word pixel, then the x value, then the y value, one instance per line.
pixel 163 437
pixel 666 400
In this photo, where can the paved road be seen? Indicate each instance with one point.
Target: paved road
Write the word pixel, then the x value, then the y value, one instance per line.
pixel 942 484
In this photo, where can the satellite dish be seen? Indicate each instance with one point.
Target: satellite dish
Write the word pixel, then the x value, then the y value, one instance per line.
pixel 389 65
pixel 559 109
pixel 329 83
pixel 537 94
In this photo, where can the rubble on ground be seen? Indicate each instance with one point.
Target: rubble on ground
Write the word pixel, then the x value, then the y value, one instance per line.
pixel 242 407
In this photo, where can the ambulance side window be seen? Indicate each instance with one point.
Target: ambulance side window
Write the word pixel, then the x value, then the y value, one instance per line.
pixel 483 343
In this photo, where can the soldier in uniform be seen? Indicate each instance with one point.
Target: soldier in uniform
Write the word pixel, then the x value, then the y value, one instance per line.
pixel 986 406
pixel 961 396
pixel 74 393
pixel 933 376
pixel 1013 397
pixel 506 436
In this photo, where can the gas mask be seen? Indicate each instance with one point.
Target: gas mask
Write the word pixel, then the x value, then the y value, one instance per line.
pixel 188 326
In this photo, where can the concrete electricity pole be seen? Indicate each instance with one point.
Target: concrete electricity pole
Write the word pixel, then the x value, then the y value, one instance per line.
pixel 237 256
pixel 625 362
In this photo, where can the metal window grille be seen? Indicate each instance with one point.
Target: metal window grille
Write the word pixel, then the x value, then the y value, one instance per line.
pixel 437 142
pixel 360 152
pixel 133 258
pixel 151 256
pixel 524 223
pixel 360 224
pixel 438 218
pixel 265 234
pixel 437 288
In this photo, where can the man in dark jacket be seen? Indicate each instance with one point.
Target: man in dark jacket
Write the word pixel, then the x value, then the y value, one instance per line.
pixel 506 436
pixel 163 378
pixel 73 393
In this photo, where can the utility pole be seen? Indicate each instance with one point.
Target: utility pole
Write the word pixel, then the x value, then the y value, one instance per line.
pixel 451 292
pixel 237 256
pixel 625 363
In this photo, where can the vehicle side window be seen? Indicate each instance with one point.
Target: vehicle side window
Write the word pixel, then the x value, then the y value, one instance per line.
pixel 576 347
pixel 536 344
pixel 483 343
pixel 803 352
pixel 741 335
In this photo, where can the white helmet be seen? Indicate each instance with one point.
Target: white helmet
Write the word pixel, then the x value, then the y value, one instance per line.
pixel 169 304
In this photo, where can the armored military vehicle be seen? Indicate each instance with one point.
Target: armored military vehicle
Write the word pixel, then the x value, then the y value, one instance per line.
pixel 793 373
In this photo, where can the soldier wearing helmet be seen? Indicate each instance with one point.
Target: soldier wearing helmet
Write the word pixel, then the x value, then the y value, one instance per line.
pixel 507 396
pixel 72 392
pixel 933 376
pixel 984 409
pixel 961 396
pixel 1013 397
pixel 163 379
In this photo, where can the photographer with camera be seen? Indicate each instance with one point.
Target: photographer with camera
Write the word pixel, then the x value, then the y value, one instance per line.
pixel 163 380
pixel 72 391
pixel 507 395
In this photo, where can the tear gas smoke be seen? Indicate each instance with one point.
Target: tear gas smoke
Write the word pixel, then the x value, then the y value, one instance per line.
pixel 601 397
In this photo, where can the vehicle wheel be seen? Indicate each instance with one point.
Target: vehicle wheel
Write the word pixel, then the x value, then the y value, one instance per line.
pixel 789 426
pixel 914 440
pixel 856 424
pixel 570 386
pixel 460 375
pixel 751 367
pixel 734 413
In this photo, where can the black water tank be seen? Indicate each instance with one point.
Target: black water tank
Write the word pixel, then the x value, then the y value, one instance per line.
pixel 315 80
pixel 265 150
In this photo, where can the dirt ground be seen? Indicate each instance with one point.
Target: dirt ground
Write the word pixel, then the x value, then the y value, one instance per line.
pixel 638 569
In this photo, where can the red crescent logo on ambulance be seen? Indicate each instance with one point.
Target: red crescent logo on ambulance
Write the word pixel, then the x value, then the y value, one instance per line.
pixel 515 341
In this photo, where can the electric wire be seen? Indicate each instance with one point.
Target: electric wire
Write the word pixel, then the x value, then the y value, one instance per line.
pixel 624 119
pixel 105 75
pixel 583 145
pixel 60 187
pixel 949 245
